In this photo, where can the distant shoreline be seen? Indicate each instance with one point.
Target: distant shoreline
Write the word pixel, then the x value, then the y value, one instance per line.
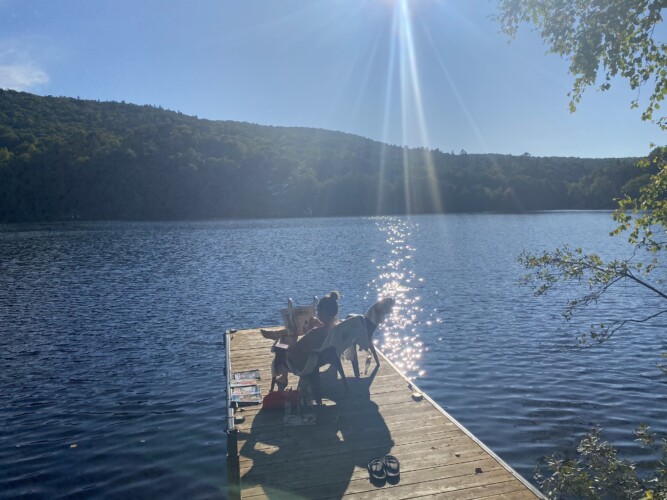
pixel 268 219
pixel 63 157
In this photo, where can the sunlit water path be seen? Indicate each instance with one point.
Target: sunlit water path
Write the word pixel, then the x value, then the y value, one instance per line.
pixel 111 339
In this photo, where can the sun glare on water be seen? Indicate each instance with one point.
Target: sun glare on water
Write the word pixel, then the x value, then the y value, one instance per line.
pixel 396 278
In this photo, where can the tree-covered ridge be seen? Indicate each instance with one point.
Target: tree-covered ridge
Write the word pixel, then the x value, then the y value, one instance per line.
pixel 64 157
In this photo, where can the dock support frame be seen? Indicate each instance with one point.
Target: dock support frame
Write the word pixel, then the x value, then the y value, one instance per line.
pixel 233 464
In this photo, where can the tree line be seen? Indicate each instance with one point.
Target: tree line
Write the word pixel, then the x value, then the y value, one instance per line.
pixel 64 158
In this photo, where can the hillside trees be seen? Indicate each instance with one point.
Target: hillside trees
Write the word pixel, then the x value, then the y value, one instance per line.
pixel 63 158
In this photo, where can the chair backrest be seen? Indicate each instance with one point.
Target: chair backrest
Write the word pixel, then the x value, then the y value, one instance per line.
pixel 299 319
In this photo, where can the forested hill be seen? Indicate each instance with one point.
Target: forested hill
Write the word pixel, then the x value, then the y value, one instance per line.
pixel 63 158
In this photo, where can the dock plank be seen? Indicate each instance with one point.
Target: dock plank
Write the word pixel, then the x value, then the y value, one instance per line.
pixel 375 416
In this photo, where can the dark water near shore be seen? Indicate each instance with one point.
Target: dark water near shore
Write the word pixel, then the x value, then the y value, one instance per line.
pixel 111 339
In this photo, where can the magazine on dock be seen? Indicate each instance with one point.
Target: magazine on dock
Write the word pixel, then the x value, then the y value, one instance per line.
pixel 247 376
pixel 245 393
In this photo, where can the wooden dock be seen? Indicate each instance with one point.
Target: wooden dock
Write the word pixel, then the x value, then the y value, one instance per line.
pixel 378 416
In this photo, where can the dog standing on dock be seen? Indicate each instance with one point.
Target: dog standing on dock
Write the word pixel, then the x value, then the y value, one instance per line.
pixel 376 315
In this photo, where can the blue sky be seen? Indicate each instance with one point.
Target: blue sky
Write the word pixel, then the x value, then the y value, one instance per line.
pixel 433 73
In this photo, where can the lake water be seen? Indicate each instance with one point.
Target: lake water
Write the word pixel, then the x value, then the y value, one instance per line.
pixel 112 335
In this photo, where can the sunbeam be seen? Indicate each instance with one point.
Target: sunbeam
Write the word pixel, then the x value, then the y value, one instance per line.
pixel 389 89
pixel 412 104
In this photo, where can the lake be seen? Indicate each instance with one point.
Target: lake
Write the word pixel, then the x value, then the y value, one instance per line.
pixel 112 339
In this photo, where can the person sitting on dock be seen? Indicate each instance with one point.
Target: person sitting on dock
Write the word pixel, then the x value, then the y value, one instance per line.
pixel 305 357
pixel 299 320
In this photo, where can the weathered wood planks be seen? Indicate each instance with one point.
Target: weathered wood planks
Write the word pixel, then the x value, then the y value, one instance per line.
pixel 376 416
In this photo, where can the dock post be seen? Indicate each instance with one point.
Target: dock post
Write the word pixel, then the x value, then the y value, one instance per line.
pixel 233 465
pixel 233 472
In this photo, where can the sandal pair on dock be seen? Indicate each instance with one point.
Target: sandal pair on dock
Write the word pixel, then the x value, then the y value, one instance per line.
pixel 385 469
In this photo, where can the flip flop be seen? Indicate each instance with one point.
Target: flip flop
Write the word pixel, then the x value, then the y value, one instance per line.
pixel 376 470
pixel 391 466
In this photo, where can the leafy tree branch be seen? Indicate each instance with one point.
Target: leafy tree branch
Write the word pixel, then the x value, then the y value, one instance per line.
pixel 613 37
pixel 598 472
pixel 566 267
pixel 645 216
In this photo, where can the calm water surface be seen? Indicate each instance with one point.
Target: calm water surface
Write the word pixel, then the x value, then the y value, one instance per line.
pixel 111 339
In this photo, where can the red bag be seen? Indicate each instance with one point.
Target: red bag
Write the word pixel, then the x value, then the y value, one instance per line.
pixel 276 400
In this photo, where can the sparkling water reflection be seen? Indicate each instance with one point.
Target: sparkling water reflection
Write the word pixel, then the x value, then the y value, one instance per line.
pixel 397 279
pixel 111 339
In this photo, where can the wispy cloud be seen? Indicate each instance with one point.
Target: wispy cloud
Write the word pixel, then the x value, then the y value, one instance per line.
pixel 21 76
pixel 21 60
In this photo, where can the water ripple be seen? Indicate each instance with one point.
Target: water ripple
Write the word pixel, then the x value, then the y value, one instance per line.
pixel 112 334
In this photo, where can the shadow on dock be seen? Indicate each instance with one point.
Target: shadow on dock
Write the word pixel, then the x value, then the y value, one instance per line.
pixel 382 413
pixel 315 461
